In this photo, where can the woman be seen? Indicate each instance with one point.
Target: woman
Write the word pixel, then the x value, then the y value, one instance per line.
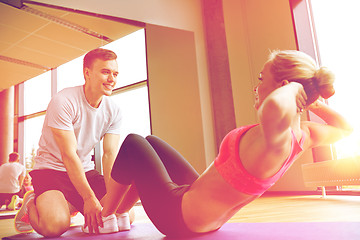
pixel 251 159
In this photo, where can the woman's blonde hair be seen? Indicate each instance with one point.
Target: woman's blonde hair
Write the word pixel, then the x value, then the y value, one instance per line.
pixel 296 66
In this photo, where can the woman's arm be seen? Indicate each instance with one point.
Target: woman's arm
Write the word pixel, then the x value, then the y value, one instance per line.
pixel 278 111
pixel 336 126
pixel 330 116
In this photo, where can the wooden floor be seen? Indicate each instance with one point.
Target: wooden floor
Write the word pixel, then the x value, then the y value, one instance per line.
pixel 270 208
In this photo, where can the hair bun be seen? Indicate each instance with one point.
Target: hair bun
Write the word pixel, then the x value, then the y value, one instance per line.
pixel 326 91
pixel 324 80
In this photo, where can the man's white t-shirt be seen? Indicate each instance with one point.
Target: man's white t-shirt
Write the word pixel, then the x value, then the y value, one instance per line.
pixel 69 110
pixel 9 177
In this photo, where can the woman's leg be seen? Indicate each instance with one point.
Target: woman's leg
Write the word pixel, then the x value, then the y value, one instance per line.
pixel 137 160
pixel 138 163
pixel 179 170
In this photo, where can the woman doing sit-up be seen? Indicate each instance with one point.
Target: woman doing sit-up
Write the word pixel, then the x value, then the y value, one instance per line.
pixel 251 159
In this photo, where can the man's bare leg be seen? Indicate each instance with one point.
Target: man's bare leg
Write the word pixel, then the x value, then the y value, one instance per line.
pixel 50 215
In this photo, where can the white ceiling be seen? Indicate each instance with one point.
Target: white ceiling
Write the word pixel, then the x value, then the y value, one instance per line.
pixel 37 38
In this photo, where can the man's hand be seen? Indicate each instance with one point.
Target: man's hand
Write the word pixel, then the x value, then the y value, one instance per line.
pixel 66 141
pixel 92 214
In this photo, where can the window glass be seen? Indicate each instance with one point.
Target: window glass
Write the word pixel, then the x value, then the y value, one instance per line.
pixel 37 93
pixel 131 54
pixel 32 133
pixel 70 74
pixel 134 105
pixel 338 39
pixel 131 58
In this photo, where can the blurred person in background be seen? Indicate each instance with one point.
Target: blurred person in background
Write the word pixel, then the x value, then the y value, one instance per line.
pixel 12 176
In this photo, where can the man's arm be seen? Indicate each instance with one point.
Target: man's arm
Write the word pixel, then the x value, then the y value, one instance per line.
pixel 111 146
pixel 67 144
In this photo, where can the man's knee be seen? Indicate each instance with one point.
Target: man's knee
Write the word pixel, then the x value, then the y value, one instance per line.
pixel 53 212
pixel 54 227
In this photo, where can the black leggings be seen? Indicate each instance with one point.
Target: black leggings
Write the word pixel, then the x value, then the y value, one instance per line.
pixel 161 176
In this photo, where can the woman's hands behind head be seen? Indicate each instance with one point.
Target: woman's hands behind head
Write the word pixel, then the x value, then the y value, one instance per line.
pixel 300 96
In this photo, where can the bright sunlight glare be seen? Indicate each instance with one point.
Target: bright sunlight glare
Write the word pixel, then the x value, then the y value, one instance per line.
pixel 336 25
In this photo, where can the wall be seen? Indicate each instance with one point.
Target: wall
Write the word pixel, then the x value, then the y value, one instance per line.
pixel 174 91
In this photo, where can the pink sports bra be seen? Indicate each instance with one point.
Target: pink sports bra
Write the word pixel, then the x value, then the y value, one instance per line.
pixel 229 165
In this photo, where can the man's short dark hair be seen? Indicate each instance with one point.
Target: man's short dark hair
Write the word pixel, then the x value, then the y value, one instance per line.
pixel 13 157
pixel 98 53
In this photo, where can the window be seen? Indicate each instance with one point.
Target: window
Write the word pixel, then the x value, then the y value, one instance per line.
pixel 327 31
pixel 37 93
pixel 338 42
pixel 131 92
pixel 70 74
pixel 131 59
pixel 134 105
pixel 32 132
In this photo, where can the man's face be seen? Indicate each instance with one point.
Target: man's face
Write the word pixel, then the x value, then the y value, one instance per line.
pixel 101 76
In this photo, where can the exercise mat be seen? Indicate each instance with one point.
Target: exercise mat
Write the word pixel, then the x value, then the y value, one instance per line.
pixel 230 231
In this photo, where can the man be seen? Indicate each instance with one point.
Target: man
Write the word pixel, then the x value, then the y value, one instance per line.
pixel 76 120
pixel 12 176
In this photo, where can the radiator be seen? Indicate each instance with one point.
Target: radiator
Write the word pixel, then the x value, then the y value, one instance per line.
pixel 332 173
